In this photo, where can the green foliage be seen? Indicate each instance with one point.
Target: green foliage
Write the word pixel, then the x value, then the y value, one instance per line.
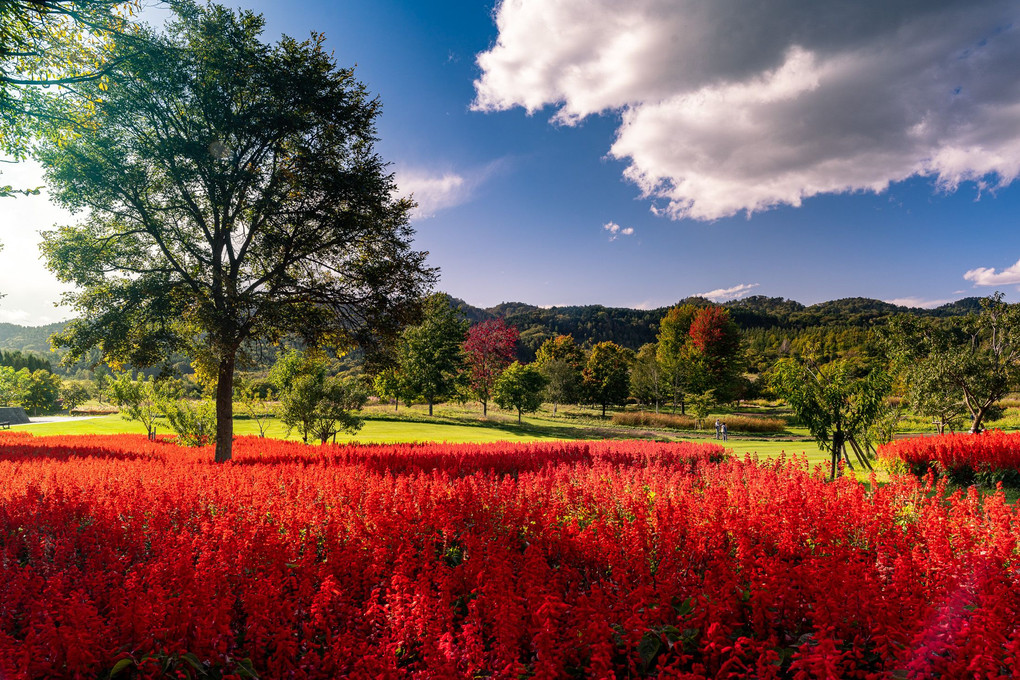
pixel 673 351
pixel 835 402
pixel 58 43
pixel 74 393
pixel 646 379
pixel 975 358
pixel 519 387
pixel 606 376
pixel 225 209
pixel 389 386
pixel 701 405
pixel 137 400
pixel 194 422
pixel 13 386
pixel 320 407
pixel 561 362
pixel 429 354
pixel 19 360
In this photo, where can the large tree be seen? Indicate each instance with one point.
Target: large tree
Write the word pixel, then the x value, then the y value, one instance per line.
pixel 430 353
pixel 490 346
pixel 673 350
pixel 47 49
pixel 976 356
pixel 714 353
pixel 606 376
pixel 519 387
pixel 561 361
pixel 234 194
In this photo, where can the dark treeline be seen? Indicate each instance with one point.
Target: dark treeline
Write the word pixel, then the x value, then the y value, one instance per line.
pixel 18 360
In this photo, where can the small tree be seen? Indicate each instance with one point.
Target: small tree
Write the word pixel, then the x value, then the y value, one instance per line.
pixel 701 405
pixel 607 375
pixel 836 404
pixel 194 423
pixel 429 353
pixel 489 348
pixel 73 393
pixel 646 383
pixel 561 361
pixel 319 406
pixel 388 386
pixel 13 386
pixel 41 390
pixel 137 400
pixel 519 387
pixel 257 403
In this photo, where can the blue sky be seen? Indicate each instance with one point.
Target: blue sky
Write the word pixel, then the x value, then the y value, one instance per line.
pixel 632 154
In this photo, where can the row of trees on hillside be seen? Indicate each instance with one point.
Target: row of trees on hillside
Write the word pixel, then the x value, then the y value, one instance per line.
pixel 443 357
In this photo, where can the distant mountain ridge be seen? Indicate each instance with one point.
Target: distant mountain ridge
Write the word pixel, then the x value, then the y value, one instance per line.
pixel 590 324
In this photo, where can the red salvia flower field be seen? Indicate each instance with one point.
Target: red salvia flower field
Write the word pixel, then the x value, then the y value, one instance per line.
pixel 602 560
pixel 990 456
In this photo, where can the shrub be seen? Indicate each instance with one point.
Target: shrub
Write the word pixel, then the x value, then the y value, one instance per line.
pixel 734 423
pixel 986 458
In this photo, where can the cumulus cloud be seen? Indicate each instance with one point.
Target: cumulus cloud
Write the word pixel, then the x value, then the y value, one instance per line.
pixel 730 107
pixel 917 302
pixel 432 191
pixel 987 276
pixel 615 230
pixel 724 294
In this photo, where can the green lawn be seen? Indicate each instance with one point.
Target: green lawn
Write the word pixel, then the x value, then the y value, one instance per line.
pixel 464 423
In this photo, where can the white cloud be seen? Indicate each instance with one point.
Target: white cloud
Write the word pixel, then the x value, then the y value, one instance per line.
pixel 433 191
pixel 987 276
pixel 615 230
pixel 730 107
pixel 724 294
pixel 917 302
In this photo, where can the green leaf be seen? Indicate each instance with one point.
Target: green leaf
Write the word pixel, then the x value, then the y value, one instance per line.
pixel 648 649
pixel 194 661
pixel 120 666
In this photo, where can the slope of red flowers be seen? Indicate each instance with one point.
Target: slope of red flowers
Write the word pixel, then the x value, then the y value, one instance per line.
pixel 956 453
pixel 603 560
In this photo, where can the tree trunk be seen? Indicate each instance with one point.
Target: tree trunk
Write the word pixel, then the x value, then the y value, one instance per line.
pixel 485 408
pixel 225 409
pixel 603 411
pixel 519 416
pixel 554 408
pixel 837 450
pixel 430 408
pixel 975 426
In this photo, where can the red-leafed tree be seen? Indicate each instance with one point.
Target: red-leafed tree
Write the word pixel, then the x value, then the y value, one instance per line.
pixel 489 348
pixel 715 351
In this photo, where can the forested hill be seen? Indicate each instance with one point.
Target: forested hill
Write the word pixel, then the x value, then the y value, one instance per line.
pixel 632 328
pixel 34 339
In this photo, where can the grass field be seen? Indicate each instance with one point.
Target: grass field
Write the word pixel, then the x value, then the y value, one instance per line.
pixel 464 423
